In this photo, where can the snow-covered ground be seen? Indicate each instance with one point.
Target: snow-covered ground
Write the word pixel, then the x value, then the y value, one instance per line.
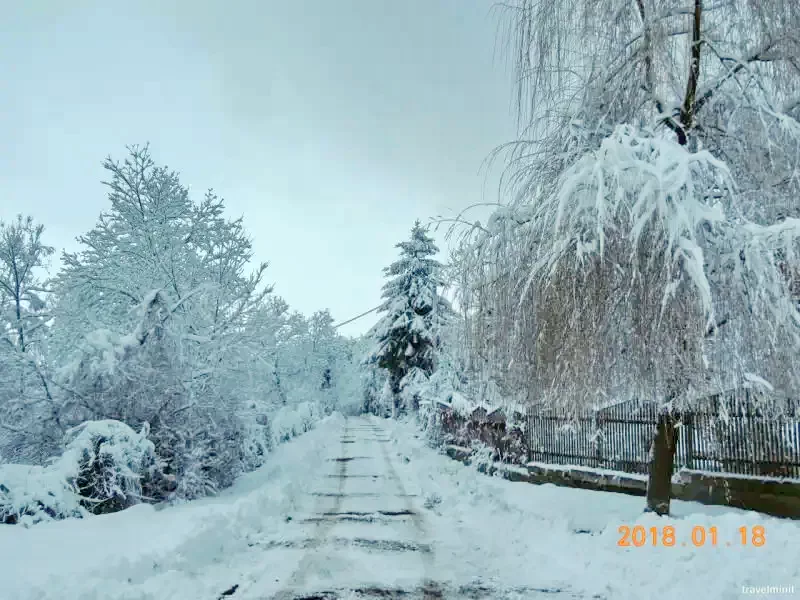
pixel 364 504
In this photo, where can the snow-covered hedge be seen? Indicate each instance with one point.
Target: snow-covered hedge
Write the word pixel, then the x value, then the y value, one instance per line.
pixel 106 466
pixel 201 460
pixel 102 469
pixel 256 443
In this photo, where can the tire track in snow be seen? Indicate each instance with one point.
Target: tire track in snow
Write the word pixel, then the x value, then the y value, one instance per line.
pixel 328 517
pixel 430 590
pixel 323 527
pixel 322 544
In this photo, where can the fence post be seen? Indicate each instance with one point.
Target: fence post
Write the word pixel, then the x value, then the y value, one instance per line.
pixel 529 431
pixel 688 424
pixel 598 437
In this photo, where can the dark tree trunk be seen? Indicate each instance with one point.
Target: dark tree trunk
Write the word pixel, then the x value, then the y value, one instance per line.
pixel 659 484
pixel 394 380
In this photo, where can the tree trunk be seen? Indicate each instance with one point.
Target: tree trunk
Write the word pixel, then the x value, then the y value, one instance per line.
pixel 659 484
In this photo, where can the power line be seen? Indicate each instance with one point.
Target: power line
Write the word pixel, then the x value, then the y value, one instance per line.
pixel 364 314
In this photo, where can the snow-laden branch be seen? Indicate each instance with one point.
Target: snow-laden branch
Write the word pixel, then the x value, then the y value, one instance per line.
pixel 635 183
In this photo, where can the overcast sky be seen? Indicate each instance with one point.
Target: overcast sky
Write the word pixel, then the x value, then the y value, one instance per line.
pixel 330 125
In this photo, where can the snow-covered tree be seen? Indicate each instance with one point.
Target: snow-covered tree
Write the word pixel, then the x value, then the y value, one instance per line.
pixel 157 324
pixel 409 332
pixel 323 354
pixel 649 249
pixel 25 394
pixel 165 318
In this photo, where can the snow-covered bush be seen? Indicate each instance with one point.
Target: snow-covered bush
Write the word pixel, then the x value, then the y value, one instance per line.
pixel 161 317
pixel 200 460
pixel 290 421
pixel 103 468
pixel 483 456
pixel 285 425
pixel 430 422
pixel 386 399
pixel 256 443
pixel 412 387
pixel 374 384
pixel 105 462
pixel 31 493
pixel 307 414
pixel 192 478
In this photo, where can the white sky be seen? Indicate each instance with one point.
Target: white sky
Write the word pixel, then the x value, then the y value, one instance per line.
pixel 329 125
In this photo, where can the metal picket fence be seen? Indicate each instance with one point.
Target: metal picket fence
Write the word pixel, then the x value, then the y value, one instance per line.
pixel 726 433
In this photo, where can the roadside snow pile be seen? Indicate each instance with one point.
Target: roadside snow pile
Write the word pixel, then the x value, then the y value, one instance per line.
pixel 101 470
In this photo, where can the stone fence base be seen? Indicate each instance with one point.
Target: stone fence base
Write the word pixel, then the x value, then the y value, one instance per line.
pixel 774 497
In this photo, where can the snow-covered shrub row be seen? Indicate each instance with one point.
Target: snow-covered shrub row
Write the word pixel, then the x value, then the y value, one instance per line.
pixel 159 319
pixel 257 442
pixel 289 422
pixel 107 466
pixel 104 468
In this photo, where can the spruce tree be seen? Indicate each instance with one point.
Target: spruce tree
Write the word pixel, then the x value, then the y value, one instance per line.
pixel 408 334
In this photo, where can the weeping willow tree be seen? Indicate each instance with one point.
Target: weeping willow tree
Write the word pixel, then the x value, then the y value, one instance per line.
pixel 648 248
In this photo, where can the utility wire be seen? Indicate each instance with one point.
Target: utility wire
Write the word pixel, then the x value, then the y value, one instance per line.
pixel 364 314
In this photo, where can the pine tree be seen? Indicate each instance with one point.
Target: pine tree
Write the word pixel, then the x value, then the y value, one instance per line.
pixel 408 334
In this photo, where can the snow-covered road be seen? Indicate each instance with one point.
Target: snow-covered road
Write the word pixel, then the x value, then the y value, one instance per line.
pixel 363 508
pixel 361 532
pixel 366 525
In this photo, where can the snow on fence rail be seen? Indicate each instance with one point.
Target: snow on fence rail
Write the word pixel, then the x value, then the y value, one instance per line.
pixel 725 433
pixel 493 429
